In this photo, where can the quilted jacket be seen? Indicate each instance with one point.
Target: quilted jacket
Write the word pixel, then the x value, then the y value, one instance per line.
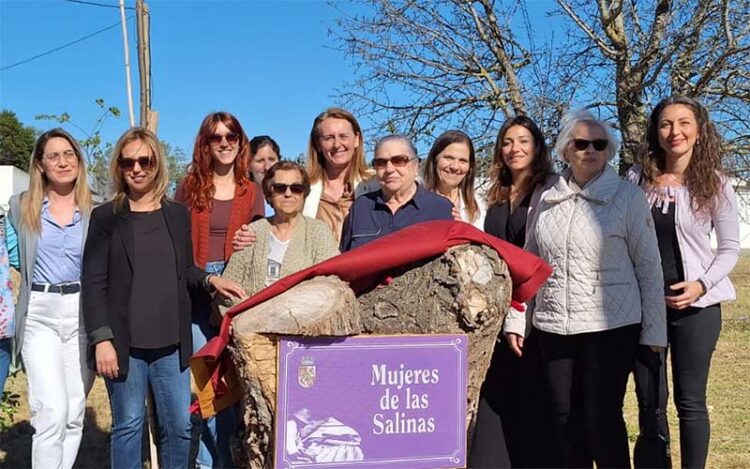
pixel 606 268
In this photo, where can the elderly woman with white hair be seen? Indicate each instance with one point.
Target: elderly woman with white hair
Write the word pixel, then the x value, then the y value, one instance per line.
pixel 604 296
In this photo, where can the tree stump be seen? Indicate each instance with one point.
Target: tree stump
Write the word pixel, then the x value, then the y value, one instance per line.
pixel 464 291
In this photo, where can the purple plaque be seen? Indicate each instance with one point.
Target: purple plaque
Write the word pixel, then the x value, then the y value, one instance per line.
pixel 372 401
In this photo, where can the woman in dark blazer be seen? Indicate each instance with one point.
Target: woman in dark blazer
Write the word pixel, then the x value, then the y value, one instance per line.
pixel 137 268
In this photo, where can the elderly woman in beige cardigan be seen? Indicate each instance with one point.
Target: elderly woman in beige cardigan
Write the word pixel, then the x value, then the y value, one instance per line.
pixel 288 241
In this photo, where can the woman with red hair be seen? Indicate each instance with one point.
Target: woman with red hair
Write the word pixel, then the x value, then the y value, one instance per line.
pixel 221 198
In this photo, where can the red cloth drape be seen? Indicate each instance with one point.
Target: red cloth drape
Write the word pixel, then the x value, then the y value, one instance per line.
pixel 368 265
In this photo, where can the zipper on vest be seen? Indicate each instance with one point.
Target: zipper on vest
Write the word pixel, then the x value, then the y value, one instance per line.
pixel 567 264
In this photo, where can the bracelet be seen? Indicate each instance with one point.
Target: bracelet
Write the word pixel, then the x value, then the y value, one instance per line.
pixel 703 286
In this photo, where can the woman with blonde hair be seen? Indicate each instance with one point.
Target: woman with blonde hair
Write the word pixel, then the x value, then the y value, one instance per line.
pixel 337 168
pixel 50 221
pixel 137 269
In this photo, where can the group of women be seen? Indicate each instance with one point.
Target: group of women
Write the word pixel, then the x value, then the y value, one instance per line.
pixel 138 284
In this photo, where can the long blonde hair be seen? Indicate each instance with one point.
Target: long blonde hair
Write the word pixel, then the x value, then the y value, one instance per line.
pixel 316 162
pixel 31 201
pixel 161 178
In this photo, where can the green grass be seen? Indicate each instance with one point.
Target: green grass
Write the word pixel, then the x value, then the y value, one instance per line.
pixel 728 400
pixel 728 388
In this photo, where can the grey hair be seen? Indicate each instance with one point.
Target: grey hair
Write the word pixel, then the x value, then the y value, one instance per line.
pixel 569 123
pixel 396 138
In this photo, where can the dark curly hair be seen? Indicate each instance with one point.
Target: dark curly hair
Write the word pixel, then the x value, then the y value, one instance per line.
pixel 500 174
pixel 703 174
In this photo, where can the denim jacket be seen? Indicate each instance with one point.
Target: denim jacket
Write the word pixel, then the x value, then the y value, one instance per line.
pixel 693 236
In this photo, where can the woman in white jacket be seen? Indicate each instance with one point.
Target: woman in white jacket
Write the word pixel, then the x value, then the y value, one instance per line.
pixel 606 291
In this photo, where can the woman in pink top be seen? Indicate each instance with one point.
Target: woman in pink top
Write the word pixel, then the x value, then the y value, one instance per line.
pixel 690 197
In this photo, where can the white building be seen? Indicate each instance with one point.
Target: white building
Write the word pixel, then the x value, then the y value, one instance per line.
pixel 12 181
pixel 743 204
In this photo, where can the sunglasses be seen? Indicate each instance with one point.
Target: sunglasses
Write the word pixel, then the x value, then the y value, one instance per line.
pixel 582 144
pixel 398 161
pixel 216 139
pixel 145 162
pixel 280 189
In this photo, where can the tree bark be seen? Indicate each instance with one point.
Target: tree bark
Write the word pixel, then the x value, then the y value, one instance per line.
pixel 464 291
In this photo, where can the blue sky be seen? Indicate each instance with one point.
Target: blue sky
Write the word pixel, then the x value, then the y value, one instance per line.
pixel 271 63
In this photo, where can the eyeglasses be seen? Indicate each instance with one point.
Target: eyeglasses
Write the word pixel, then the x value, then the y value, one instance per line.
pixel 582 144
pixel 398 161
pixel 69 156
pixel 145 162
pixel 216 139
pixel 280 189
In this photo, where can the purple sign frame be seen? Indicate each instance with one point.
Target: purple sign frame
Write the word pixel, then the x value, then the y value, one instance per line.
pixel 372 401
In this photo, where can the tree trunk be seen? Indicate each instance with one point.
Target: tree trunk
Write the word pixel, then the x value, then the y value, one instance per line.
pixel 465 291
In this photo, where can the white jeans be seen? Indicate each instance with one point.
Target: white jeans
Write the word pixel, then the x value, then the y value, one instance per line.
pixel 54 355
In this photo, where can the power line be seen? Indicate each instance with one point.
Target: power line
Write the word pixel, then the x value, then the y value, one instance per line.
pixel 82 2
pixel 7 67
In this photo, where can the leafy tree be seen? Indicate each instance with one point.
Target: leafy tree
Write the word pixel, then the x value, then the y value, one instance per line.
pixel 16 141
pixel 177 163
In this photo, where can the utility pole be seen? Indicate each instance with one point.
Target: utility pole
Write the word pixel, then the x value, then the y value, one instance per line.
pixel 127 62
pixel 143 29
pixel 148 121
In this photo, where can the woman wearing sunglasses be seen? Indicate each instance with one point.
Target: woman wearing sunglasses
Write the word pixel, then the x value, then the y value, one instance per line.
pixel 287 241
pixel 49 222
pixel 137 268
pixel 690 197
pixel 605 295
pixel 221 199
pixel 449 171
pixel 514 425
pixel 399 203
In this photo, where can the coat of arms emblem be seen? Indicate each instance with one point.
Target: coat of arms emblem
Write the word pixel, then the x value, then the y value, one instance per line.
pixel 306 373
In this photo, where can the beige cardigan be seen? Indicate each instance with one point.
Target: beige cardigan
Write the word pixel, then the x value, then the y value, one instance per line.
pixel 312 242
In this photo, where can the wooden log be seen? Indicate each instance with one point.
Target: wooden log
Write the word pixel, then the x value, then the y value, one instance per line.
pixel 466 290
pixel 323 306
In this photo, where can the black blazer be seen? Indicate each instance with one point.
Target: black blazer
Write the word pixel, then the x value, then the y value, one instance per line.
pixel 107 278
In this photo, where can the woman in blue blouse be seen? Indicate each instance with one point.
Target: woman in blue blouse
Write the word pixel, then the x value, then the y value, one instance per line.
pixel 51 221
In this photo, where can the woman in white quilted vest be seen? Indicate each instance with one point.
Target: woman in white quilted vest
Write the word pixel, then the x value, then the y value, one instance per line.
pixel 605 294
pixel 690 197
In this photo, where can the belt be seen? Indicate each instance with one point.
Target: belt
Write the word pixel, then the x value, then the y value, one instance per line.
pixel 64 289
